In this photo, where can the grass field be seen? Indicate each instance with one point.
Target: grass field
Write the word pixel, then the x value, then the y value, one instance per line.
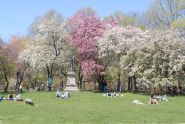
pixel 88 107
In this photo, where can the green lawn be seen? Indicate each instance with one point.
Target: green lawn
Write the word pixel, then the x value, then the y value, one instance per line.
pixel 88 107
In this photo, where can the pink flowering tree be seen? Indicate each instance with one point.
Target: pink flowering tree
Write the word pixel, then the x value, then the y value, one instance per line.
pixel 85 29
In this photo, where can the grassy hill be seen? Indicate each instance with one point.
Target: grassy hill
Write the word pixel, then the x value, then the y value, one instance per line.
pixel 93 108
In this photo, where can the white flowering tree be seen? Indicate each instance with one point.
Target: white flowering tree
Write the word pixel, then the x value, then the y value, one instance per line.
pixel 115 43
pixel 49 44
pixel 157 61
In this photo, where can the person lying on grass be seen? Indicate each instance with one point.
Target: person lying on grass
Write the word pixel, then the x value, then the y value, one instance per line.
pixel 112 94
pixel 137 102
pixel 161 98
pixel 2 98
pixel 30 102
pixel 66 95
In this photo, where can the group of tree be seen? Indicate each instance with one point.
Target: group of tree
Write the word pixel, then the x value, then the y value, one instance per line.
pixel 145 50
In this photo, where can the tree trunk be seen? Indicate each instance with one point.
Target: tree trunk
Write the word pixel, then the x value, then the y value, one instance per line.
pixel 18 81
pixel 6 87
pixel 19 77
pixel 50 76
pixel 135 86
pixel 95 85
pixel 100 79
pixel 119 81
pixel 80 78
pixel 84 86
pixel 129 83
pixel 7 83
pixel 80 82
pixel 5 73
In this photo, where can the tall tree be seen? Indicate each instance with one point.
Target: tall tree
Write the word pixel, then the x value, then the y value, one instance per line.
pixel 116 42
pixel 121 19
pixel 6 70
pixel 163 12
pixel 12 50
pixel 85 30
pixel 49 44
pixel 158 60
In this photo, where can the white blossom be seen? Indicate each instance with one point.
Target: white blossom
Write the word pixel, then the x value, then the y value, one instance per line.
pixel 49 43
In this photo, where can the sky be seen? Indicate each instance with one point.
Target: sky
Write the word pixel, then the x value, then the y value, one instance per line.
pixel 16 16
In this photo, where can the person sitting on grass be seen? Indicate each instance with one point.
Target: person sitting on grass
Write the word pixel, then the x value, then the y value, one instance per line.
pixel 1 98
pixel 58 94
pixel 152 99
pixel 18 97
pixel 112 94
pixel 10 96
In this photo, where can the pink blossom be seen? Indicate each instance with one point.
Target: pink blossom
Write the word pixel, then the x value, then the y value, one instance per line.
pixel 85 30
